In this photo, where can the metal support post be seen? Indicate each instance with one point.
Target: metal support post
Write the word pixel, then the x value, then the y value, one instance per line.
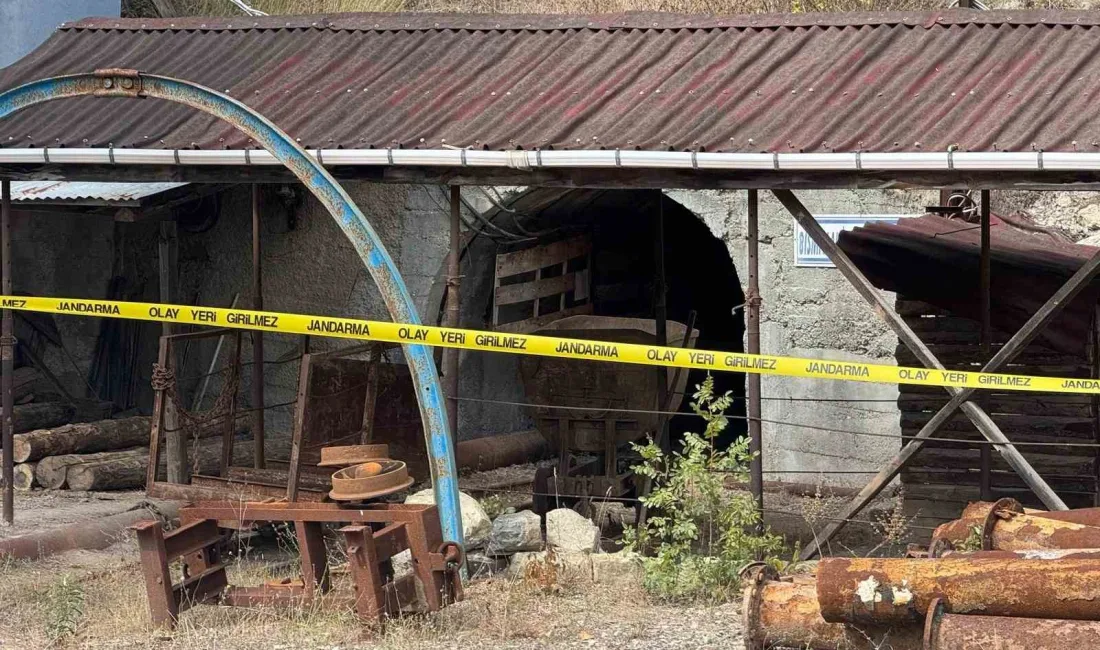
pixel 985 340
pixel 451 313
pixel 7 356
pixel 257 337
pixel 959 398
pixel 752 326
pixel 660 313
pixel 175 446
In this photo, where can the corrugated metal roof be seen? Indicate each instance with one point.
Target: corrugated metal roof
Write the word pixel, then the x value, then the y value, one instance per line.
pixel 73 192
pixel 935 260
pixel 978 81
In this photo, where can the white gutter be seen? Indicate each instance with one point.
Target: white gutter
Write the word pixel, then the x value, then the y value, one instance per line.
pixel 590 159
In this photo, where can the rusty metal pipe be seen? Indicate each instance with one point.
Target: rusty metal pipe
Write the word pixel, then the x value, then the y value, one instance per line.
pixel 785 614
pixel 501 451
pixel 944 631
pixel 1032 554
pixel 880 591
pixel 1004 526
pixel 1083 516
pixel 92 534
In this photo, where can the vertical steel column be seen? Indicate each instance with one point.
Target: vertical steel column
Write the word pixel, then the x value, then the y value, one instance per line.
pixel 660 313
pixel 752 326
pixel 7 355
pixel 175 446
pixel 451 313
pixel 257 337
pixel 985 341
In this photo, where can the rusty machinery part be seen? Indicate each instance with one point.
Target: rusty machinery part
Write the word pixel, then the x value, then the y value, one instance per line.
pixel 454 558
pixel 946 631
pixel 348 455
pixel 1004 526
pixel 1083 516
pixel 881 591
pixel 784 613
pixel 362 482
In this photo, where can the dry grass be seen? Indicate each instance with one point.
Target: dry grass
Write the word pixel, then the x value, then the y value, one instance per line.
pixel 498 613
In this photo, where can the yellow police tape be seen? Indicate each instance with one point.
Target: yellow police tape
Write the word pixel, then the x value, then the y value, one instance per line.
pixel 545 345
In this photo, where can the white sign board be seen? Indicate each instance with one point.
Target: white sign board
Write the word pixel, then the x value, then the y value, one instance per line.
pixel 807 253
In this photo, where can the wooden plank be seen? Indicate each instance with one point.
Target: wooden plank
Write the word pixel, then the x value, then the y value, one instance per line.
pixel 297 440
pixel 532 324
pixel 543 288
pixel 533 259
pixel 909 308
pixel 1023 404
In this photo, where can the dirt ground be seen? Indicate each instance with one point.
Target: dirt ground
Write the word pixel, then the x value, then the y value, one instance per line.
pixel 96 600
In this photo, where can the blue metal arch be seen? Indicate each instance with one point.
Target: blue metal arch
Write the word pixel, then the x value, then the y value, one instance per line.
pixel 130 83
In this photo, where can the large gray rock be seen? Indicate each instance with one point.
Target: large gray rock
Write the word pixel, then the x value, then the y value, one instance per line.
pixel 515 533
pixel 570 532
pixel 475 523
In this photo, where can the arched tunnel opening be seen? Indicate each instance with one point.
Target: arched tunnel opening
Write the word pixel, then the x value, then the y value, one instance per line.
pixel 619 272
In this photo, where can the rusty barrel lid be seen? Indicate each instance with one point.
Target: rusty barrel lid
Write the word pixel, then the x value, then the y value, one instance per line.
pixel 347 455
pixel 366 481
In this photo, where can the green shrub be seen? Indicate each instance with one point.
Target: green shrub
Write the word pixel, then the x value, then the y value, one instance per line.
pixel 699 533
pixel 64 609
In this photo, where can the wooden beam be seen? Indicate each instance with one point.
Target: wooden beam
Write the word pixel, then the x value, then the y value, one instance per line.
pixel 175 446
pixel 978 416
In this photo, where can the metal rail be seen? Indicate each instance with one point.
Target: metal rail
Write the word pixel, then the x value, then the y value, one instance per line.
pixel 131 83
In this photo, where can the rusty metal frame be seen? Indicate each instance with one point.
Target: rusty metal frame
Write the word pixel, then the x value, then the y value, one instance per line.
pixel 959 397
pixel 375 534
pixel 134 84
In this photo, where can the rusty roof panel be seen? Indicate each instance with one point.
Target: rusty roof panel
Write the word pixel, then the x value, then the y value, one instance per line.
pixel 935 260
pixel 977 81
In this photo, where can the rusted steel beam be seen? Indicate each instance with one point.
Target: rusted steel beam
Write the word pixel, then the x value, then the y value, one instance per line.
pixel 752 379
pixel 959 398
pixel 1004 526
pixel 944 631
pixel 883 591
pixel 7 358
pixel 257 337
pixel 785 614
pixel 985 338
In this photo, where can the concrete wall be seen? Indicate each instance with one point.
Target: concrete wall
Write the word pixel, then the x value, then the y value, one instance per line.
pixel 813 312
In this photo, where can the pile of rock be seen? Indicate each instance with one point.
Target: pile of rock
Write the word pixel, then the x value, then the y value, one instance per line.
pixel 509 543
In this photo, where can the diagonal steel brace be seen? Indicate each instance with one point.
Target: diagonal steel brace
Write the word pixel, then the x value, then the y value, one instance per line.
pixel 959 397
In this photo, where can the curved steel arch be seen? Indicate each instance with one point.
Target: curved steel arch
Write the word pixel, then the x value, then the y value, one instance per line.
pixel 131 83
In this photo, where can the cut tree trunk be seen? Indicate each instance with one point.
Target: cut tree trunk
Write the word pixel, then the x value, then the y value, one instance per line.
pixel 24 476
pixel 128 471
pixel 51 471
pixel 105 435
pixel 28 417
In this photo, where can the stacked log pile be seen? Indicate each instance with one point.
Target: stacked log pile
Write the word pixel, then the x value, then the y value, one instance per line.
pixel 999 577
pixel 105 455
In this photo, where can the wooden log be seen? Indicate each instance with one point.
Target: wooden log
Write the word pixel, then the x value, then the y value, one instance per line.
pixel 51 471
pixel 278 476
pixel 128 471
pixel 23 478
pixel 28 417
pixel 105 435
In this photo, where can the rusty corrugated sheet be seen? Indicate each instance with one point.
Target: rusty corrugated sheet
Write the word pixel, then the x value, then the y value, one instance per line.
pixel 69 192
pixel 935 260
pixel 981 81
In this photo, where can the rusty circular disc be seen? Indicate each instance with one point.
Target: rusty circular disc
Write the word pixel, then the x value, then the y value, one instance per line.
pixel 754 574
pixel 1000 508
pixel 347 455
pixel 354 484
pixel 932 621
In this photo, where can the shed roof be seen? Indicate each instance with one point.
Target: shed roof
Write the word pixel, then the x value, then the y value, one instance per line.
pixel 978 81
pixel 64 192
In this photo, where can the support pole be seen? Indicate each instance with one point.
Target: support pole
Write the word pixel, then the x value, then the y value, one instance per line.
pixel 978 416
pixel 660 314
pixel 451 313
pixel 257 337
pixel 985 340
pixel 752 325
pixel 7 356
pixel 175 447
